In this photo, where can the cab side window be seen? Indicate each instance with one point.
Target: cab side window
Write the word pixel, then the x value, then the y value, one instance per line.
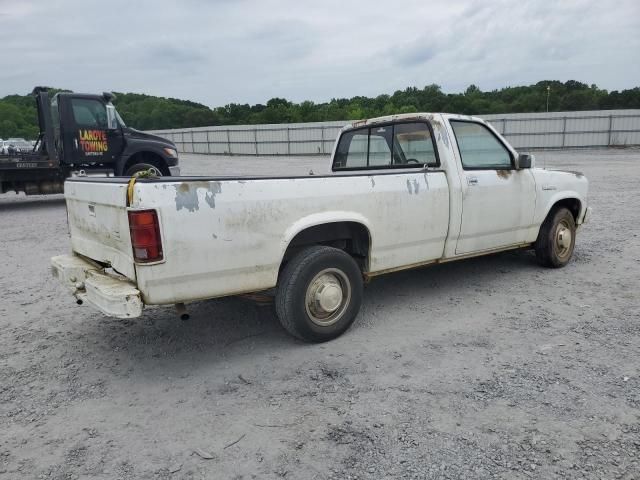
pixel 479 148
pixel 89 113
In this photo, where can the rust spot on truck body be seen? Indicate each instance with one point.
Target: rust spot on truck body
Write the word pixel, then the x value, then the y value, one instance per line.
pixel 503 174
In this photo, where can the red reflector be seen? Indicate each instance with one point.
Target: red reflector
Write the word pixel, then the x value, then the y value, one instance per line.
pixel 145 236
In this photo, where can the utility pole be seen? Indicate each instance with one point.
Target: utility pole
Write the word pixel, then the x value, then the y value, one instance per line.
pixel 548 92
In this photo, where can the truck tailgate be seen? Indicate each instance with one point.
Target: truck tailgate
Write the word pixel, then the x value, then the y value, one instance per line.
pixel 98 223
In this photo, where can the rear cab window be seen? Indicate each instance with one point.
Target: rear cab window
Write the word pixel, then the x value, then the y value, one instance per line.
pixel 384 146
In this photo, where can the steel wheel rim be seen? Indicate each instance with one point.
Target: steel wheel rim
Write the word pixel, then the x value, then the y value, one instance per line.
pixel 153 171
pixel 328 296
pixel 563 239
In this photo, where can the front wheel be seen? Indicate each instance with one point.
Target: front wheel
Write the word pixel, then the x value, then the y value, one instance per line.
pixel 557 239
pixel 138 169
pixel 319 294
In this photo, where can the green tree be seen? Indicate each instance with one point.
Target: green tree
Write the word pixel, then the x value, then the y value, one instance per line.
pixel 18 113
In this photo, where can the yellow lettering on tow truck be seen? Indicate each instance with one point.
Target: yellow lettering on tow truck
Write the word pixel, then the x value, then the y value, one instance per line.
pixel 93 142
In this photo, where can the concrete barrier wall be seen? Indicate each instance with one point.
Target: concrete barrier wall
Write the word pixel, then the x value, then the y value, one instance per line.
pixel 525 131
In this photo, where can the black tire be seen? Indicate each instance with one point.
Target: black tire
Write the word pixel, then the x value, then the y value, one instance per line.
pixel 138 168
pixel 554 248
pixel 309 280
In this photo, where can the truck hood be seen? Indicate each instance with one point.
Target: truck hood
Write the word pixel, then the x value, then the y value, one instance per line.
pixel 562 181
pixel 564 175
pixel 140 135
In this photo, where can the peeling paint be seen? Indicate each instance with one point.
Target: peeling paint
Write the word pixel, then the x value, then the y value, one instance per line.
pixel 426 179
pixel 210 196
pixel 373 182
pixel 187 197
pixel 413 186
pixel 503 174
pixel 445 136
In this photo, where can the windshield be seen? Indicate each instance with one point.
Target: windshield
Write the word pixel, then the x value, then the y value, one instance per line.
pixel 120 121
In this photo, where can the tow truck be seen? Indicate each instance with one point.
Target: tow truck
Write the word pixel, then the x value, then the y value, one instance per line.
pixel 82 135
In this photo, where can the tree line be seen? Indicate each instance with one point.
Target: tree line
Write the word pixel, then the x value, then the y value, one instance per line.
pixel 146 112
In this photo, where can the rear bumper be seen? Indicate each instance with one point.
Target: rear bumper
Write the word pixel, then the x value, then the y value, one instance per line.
pixel 88 282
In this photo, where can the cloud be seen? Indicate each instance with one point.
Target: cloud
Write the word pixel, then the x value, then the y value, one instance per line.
pixel 248 51
pixel 416 54
pixel 166 54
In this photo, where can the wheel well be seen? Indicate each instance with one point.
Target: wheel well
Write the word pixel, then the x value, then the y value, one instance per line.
pixel 352 237
pixel 147 157
pixel 572 204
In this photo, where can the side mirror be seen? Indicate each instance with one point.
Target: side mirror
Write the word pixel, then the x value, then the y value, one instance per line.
pixel 525 160
pixel 112 120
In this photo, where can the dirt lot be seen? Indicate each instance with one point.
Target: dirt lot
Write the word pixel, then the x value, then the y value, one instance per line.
pixel 488 368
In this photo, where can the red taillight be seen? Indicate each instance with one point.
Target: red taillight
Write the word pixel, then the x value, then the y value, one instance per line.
pixel 145 236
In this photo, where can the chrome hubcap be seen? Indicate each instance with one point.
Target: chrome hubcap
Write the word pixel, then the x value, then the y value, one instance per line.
pixel 563 239
pixel 327 297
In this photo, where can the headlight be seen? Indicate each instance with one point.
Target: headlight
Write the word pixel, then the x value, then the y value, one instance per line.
pixel 171 152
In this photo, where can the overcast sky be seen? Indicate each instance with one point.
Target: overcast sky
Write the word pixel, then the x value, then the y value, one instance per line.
pixel 247 51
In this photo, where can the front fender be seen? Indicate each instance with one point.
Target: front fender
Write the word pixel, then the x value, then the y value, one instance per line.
pixel 566 195
pixel 553 186
pixel 152 149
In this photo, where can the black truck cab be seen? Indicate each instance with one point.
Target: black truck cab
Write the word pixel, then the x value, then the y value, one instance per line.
pixel 83 133
pixel 89 132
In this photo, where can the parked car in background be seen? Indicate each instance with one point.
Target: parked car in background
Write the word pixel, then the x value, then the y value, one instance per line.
pixel 7 147
pixel 20 145
pixel 15 145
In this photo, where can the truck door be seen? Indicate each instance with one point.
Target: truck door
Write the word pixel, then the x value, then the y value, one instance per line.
pixel 498 201
pixel 87 138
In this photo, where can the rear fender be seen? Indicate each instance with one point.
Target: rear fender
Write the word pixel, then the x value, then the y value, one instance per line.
pixel 322 219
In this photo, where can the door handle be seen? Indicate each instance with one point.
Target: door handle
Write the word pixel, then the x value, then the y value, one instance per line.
pixel 472 181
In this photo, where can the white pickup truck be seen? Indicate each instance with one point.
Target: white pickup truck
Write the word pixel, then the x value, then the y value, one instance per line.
pixel 404 191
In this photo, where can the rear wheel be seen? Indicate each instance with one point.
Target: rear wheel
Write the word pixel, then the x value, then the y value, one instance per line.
pixel 557 239
pixel 319 294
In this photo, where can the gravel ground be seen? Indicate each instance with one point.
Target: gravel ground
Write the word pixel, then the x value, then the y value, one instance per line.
pixel 487 368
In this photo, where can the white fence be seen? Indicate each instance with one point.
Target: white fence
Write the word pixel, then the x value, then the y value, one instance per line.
pixel 524 131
